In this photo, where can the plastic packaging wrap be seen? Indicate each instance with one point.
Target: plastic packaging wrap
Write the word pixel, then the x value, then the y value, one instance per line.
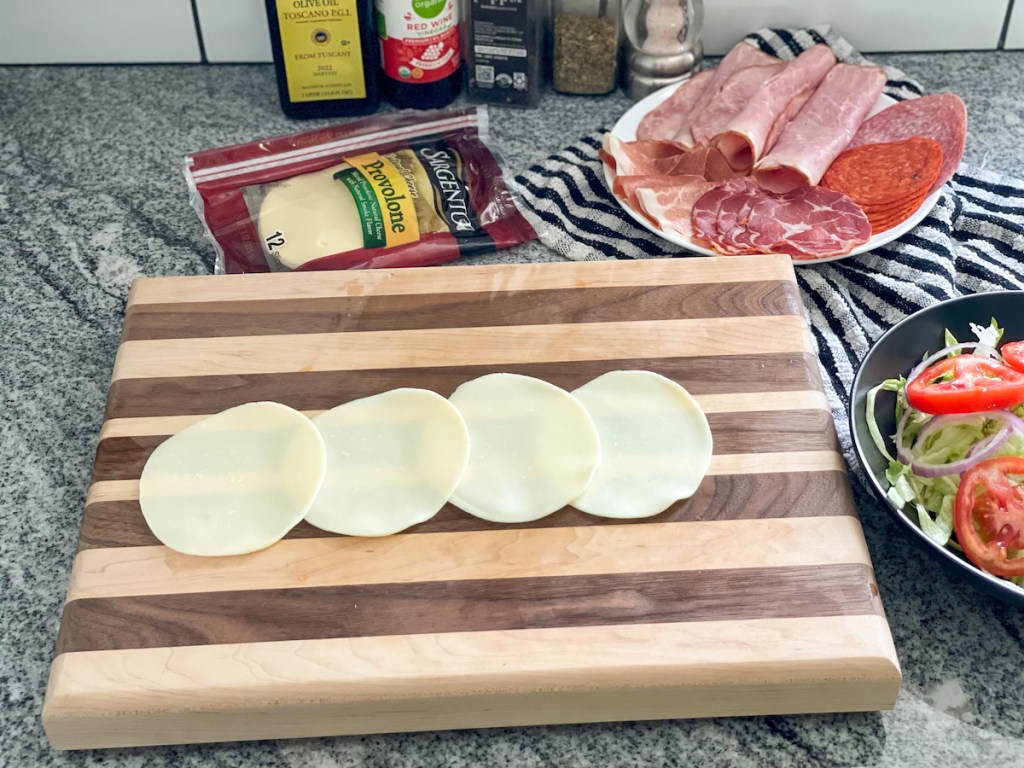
pixel 392 190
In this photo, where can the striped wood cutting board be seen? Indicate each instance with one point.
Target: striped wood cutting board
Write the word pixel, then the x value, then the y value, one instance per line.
pixel 755 596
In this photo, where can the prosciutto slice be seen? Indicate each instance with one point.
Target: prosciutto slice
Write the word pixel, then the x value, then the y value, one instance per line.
pixel 806 223
pixel 669 205
pixel 736 92
pixel 663 121
pixel 625 187
pixel 741 56
pixel 822 129
pixel 641 158
pixel 744 138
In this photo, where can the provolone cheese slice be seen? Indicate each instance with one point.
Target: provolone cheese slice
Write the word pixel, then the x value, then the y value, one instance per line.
pixel 533 448
pixel 234 482
pixel 655 444
pixel 393 460
pixel 309 216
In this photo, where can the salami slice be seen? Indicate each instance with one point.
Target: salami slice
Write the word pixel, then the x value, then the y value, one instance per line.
pixel 941 116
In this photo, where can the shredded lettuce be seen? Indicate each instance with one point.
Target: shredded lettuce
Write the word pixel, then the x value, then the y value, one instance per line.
pixel 930 499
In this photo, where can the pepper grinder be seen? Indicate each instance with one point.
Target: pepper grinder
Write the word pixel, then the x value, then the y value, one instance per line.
pixel 663 43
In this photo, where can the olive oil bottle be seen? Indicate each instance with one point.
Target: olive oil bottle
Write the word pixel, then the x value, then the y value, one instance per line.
pixel 326 56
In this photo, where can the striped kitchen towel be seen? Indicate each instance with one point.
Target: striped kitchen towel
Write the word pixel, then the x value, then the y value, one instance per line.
pixel 971 242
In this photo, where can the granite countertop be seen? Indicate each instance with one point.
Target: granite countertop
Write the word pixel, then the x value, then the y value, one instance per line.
pixel 92 196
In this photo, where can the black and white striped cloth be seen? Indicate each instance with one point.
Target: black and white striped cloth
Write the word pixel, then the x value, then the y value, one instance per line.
pixel 971 242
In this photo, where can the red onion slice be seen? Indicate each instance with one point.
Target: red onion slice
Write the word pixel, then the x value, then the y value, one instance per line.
pixel 979 451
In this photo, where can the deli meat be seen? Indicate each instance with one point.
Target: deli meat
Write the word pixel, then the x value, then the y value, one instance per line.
pixel 942 117
pixel 741 56
pixel 642 158
pixel 733 96
pixel 669 204
pixel 806 223
pixel 822 129
pixel 745 136
pixel 663 121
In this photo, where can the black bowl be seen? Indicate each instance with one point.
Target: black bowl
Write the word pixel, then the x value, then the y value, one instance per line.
pixel 897 352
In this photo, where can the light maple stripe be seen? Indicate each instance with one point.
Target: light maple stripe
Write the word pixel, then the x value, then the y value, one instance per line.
pixel 463 279
pixel 741 402
pixel 494 554
pixel 301 688
pixel 726 464
pixel 497 345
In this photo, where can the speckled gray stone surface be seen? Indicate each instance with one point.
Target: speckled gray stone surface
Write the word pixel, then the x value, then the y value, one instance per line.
pixel 92 196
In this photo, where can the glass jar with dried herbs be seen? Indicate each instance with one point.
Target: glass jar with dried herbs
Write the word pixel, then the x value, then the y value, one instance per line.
pixel 585 37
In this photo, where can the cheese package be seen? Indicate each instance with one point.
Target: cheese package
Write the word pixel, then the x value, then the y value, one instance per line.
pixel 412 188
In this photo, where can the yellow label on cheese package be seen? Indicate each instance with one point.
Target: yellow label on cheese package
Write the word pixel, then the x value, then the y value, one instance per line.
pixel 386 207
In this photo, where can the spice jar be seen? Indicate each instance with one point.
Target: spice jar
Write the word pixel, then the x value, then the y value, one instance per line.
pixel 663 44
pixel 585 46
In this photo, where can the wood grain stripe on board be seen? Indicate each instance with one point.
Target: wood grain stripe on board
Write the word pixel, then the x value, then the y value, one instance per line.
pixel 463 279
pixel 735 464
pixel 123 458
pixel 147 426
pixel 476 555
pixel 493 347
pixel 312 390
pixel 272 316
pixel 271 615
pixel 107 524
pixel 471 680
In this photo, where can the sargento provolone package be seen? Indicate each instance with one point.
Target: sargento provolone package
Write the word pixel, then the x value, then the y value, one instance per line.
pixel 399 189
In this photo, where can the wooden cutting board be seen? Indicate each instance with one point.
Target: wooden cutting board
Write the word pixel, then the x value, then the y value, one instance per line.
pixel 755 596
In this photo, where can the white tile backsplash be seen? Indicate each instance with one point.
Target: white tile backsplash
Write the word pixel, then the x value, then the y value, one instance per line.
pixel 1015 30
pixel 115 31
pixel 234 30
pixel 97 32
pixel 869 25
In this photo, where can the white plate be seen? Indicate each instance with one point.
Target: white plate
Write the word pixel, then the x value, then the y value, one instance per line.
pixel 625 129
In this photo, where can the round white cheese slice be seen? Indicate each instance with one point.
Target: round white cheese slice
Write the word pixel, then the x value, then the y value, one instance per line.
pixel 393 460
pixel 234 482
pixel 655 444
pixel 309 216
pixel 533 448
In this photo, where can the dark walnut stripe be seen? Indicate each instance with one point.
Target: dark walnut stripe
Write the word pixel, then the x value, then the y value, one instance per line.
pixel 320 390
pixel 122 458
pixel 458 310
pixel 113 524
pixel 213 618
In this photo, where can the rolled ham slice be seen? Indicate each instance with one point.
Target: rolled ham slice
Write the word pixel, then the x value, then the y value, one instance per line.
pixel 737 91
pixel 741 56
pixel 744 138
pixel 663 121
pixel 822 129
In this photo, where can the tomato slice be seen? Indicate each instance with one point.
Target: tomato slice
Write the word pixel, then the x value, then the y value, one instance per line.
pixel 988 515
pixel 966 384
pixel 1013 354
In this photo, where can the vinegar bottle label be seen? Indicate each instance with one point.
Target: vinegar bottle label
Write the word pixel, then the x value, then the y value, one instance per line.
pixel 419 39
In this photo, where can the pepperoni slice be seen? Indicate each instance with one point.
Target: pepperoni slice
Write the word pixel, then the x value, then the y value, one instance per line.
pixel 885 174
